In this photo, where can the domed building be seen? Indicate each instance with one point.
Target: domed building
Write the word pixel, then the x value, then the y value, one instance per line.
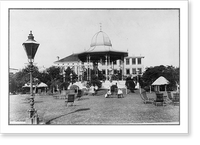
pixel 101 57
pixel 100 42
pixel 101 52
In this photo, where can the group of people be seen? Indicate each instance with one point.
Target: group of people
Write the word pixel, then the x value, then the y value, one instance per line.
pixel 115 89
pixel 93 89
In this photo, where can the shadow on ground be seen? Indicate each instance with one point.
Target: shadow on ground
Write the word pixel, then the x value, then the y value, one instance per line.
pixel 83 109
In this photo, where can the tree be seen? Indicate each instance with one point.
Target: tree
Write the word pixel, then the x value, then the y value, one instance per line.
pixel 18 80
pixel 68 73
pixel 152 73
pixel 12 83
pixel 130 84
pixel 53 74
pixel 44 77
pixel 95 79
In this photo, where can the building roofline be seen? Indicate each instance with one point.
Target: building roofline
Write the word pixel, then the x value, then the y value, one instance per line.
pixel 71 58
pixel 134 57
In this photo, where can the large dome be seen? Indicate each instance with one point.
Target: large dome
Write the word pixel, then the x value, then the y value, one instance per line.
pixel 100 39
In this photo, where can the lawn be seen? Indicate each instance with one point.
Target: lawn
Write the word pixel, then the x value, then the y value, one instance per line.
pixel 94 110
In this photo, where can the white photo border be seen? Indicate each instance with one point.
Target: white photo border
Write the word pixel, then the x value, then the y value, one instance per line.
pixel 184 120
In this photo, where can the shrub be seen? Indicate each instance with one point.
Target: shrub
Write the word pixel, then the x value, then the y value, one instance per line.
pixel 130 85
pixel 64 85
pixel 96 82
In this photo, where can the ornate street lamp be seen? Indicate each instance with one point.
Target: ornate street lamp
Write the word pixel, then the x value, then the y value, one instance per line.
pixel 31 47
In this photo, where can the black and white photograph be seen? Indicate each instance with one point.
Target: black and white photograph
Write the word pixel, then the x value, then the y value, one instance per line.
pixel 101 66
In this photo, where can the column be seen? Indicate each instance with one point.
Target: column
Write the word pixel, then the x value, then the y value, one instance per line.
pixel 87 67
pixel 112 64
pixel 63 71
pixel 109 67
pixel 106 67
pixel 89 70
pixel 122 59
pixel 78 70
pixel 82 70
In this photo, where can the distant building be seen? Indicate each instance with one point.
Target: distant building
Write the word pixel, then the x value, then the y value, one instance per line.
pixel 13 70
pixel 71 61
pixel 132 64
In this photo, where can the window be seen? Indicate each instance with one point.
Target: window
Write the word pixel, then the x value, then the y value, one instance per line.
pixel 115 62
pixel 133 61
pixel 103 62
pixel 139 61
pixel 134 71
pixel 140 70
pixel 108 72
pixel 127 71
pixel 127 61
pixel 115 71
pixel 104 71
pixel 120 62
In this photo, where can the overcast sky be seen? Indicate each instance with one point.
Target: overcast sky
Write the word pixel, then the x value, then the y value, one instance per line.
pixel 153 34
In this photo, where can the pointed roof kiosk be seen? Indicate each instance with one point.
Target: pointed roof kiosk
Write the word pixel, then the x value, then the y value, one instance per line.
pixel 160 81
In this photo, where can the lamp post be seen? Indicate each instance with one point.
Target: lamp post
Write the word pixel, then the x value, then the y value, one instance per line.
pixel 31 47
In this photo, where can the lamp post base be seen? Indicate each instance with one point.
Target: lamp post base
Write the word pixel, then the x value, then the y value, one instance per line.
pixel 33 117
pixel 34 120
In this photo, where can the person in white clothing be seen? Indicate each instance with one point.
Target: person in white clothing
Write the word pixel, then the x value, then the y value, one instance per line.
pixel 92 90
pixel 95 89
pixel 108 94
pixel 120 93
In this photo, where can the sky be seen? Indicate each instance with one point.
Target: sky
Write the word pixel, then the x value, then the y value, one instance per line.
pixel 153 34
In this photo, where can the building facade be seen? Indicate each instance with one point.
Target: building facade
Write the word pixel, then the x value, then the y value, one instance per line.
pixel 132 65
